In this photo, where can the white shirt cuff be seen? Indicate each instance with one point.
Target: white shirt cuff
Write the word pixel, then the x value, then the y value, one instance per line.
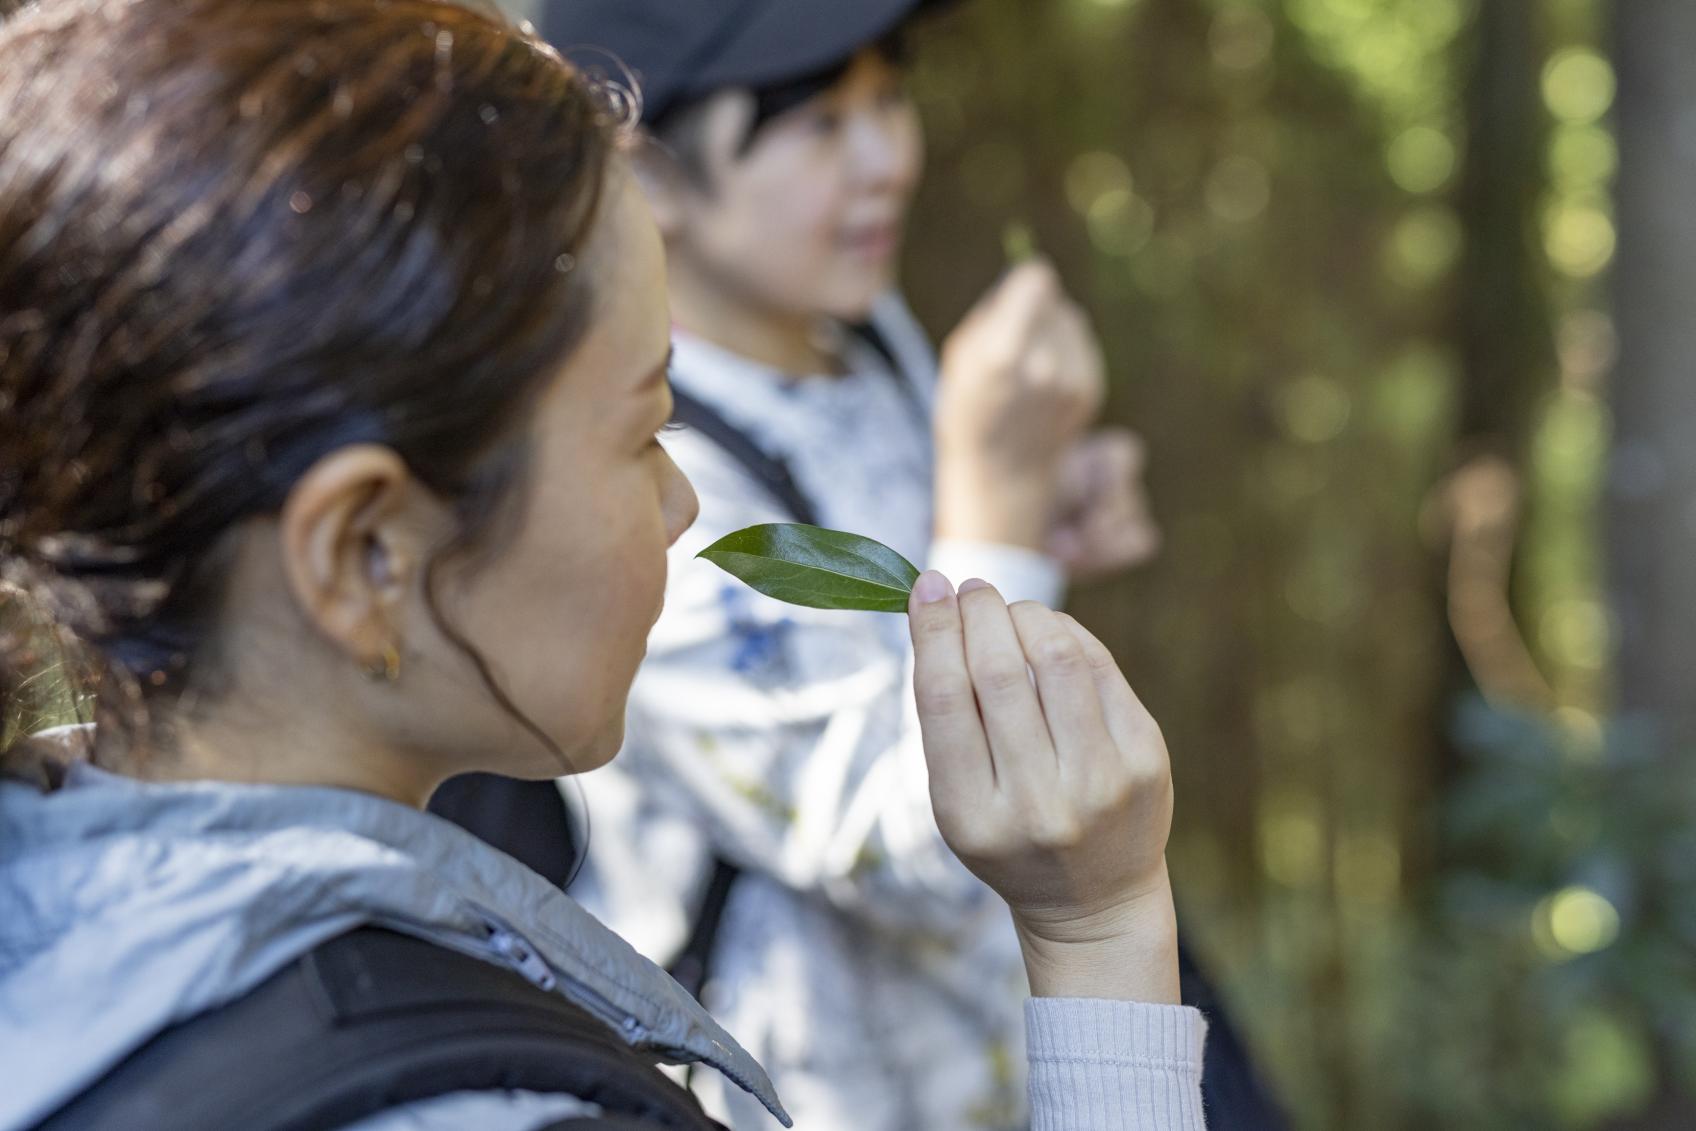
pixel 1020 574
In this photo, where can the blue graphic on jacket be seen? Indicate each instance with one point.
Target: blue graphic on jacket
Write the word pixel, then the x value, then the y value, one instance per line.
pixel 759 643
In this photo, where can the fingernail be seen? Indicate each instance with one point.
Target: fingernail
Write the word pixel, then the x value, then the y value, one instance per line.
pixel 931 587
pixel 974 583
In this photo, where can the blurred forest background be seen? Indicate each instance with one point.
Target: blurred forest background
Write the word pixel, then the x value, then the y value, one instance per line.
pixel 1400 292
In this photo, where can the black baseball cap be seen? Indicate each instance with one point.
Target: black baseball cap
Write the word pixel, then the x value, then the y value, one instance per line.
pixel 679 50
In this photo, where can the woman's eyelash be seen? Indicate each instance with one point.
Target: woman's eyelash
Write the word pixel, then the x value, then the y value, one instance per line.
pixel 670 426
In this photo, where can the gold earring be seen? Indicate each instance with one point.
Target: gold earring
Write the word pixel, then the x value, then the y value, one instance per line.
pixel 386 667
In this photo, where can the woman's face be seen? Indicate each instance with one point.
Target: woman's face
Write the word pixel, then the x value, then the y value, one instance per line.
pixel 562 605
pixel 809 220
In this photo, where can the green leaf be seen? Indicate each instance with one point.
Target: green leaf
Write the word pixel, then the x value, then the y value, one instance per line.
pixel 1018 242
pixel 816 568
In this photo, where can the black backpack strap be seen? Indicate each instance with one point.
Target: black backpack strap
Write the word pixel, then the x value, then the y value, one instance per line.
pixel 880 344
pixel 692 963
pixel 365 1023
pixel 768 470
pixel 527 820
pixel 868 333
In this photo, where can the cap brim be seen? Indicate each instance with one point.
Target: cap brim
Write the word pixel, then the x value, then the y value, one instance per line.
pixel 789 39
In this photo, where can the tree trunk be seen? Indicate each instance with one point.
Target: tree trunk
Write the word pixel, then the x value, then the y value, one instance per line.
pixel 1652 485
pixel 1504 309
pixel 1652 489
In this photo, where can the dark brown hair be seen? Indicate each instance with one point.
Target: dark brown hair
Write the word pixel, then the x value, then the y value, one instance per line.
pixel 238 234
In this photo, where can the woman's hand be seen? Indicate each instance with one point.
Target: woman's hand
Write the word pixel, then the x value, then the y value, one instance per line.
pixel 1022 378
pixel 1104 522
pixel 1055 792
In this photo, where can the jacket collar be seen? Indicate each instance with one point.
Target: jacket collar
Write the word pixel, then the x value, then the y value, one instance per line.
pixel 285 868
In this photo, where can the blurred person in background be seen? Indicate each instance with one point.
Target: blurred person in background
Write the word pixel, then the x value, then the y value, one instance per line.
pixel 768 833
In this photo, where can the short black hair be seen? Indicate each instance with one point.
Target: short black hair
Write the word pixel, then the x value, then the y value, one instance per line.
pixel 679 129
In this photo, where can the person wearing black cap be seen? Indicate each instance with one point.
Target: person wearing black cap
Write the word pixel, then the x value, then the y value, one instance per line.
pixel 770 817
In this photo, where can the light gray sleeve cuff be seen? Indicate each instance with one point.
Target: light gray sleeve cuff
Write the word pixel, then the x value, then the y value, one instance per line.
pixel 1100 1065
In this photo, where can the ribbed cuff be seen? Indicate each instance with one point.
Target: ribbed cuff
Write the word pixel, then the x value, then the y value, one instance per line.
pixel 1020 574
pixel 1100 1065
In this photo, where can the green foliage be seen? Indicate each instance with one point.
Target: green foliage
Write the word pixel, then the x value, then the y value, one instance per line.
pixel 1560 942
pixel 816 568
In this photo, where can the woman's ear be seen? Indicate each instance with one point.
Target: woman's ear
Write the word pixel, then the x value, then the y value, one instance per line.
pixel 349 552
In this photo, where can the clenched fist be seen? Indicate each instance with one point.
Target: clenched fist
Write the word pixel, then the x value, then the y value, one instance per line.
pixel 1022 379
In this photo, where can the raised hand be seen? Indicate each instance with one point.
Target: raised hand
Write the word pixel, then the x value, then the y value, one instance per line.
pixel 1051 782
pixel 1022 378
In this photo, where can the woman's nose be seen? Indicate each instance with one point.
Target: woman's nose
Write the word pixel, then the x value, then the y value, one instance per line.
pixel 682 504
pixel 883 148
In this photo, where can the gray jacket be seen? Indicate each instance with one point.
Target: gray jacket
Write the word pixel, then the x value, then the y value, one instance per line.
pixel 126 907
